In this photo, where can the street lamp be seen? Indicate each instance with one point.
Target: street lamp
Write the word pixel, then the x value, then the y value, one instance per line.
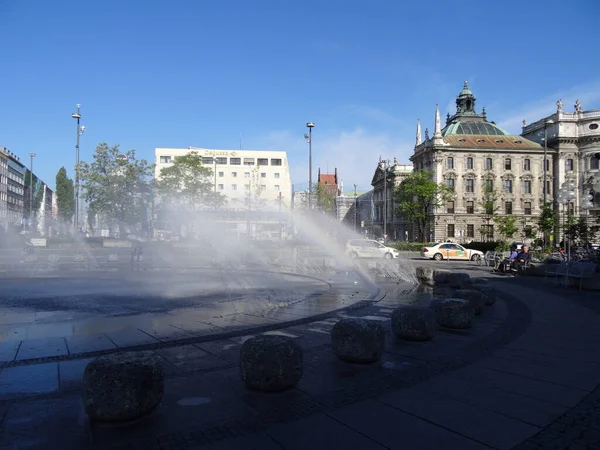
pixel 80 130
pixel 548 122
pixel 355 207
pixel 566 194
pixel 31 156
pixel 308 137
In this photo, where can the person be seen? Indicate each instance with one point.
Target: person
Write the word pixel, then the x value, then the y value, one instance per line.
pixel 522 259
pixel 504 265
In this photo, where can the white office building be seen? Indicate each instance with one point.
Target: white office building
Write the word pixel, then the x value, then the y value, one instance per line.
pixel 241 174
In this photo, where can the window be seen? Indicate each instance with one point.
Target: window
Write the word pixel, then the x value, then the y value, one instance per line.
pixel 276 187
pixel 450 162
pixel 527 186
pixel 221 160
pixel 508 208
pixel 507 164
pixel 527 165
pixel 527 208
pixel 594 163
pixel 208 161
pixel 470 185
pixel 450 230
pixel 276 162
pixel 221 187
pixel 489 184
pixel 234 174
pixel 508 186
pixel 547 165
pixel 235 161
pixel 263 174
pixel 234 187
pixel 470 207
pixel 263 161
pixel 450 183
pixel 221 174
pixel 248 161
pixel 450 207
pixel 548 188
pixel 469 163
pixel 276 174
pixel 247 187
pixel 165 159
pixel 470 230
pixel 489 165
pixel 246 174
pixel 263 187
pixel 569 164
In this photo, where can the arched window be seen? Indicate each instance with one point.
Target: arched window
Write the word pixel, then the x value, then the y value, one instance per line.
pixel 507 164
pixel 469 163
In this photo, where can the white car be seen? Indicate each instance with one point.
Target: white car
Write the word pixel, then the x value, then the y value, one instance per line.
pixel 448 250
pixel 368 248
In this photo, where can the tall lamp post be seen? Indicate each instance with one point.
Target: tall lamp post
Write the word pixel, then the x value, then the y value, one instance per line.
pixel 566 194
pixel 548 122
pixel 308 137
pixel 31 156
pixel 80 130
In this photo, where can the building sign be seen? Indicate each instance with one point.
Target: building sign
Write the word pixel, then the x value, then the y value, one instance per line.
pixel 219 153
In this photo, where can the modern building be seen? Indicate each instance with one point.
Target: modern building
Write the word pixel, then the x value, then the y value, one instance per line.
pixel 473 157
pixel 387 177
pixel 573 152
pixel 240 174
pixel 12 174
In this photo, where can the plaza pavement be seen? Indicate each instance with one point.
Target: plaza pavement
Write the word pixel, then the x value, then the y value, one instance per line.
pixel 525 376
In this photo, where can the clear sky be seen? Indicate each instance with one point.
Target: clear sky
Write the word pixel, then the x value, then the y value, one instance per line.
pixel 203 73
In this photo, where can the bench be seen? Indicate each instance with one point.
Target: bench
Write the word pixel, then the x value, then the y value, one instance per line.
pixel 581 270
pixel 558 270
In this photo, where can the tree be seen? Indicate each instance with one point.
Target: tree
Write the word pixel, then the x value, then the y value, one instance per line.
pixel 65 197
pixel 31 208
pixel 116 185
pixel 324 198
pixel 507 225
pixel 188 182
pixel 548 221
pixel 490 208
pixel 417 196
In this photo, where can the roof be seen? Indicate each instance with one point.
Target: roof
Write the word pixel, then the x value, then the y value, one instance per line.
pixel 486 141
pixel 472 127
pixel 325 178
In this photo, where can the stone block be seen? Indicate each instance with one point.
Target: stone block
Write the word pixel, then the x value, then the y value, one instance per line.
pixel 454 313
pixel 459 280
pixel 414 323
pixel 123 386
pixel 489 293
pixel 474 297
pixel 358 340
pixel 424 274
pixel 271 363
pixel 441 276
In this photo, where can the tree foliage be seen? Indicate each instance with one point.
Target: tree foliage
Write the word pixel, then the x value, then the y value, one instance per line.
pixel 507 226
pixel 116 185
pixel 417 196
pixel 490 206
pixel 65 197
pixel 189 183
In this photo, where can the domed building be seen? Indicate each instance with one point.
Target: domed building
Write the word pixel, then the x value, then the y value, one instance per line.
pixel 490 172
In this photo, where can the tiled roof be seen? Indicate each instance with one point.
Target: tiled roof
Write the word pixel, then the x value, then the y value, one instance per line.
pixel 485 141
pixel 325 178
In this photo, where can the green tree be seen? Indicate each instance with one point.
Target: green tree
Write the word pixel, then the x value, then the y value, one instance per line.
pixel 417 196
pixel 507 226
pixel 490 207
pixel 189 183
pixel 324 198
pixel 65 197
pixel 547 221
pixel 116 185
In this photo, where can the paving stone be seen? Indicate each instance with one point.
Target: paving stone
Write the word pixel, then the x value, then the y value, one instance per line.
pixel 479 424
pixel 31 379
pixel 226 350
pixel 42 348
pixel 320 432
pixel 131 338
pixel 8 350
pixel 91 343
pixel 258 441
pixel 190 358
pixel 397 429
pixel 71 374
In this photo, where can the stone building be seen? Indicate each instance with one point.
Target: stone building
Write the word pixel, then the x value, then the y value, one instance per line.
pixel 472 156
pixel 12 176
pixel 385 224
pixel 573 152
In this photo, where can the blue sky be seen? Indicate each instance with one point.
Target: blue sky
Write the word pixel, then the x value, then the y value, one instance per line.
pixel 201 73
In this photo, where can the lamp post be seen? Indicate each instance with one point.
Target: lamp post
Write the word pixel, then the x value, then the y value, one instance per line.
pixel 548 122
pixel 80 130
pixel 31 156
pixel 308 137
pixel 566 194
pixel 355 207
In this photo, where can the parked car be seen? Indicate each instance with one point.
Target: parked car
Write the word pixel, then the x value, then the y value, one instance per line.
pixel 448 250
pixel 368 248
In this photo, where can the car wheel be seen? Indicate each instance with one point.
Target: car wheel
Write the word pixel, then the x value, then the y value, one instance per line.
pixel 388 256
pixel 354 255
pixel 438 257
pixel 475 257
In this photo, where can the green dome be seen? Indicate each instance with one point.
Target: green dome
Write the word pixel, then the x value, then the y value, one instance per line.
pixel 480 128
pixel 465 91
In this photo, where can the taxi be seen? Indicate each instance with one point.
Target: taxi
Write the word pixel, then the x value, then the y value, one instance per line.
pixel 450 250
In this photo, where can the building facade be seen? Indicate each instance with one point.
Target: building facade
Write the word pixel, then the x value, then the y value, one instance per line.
pixel 477 160
pixel 573 150
pixel 12 175
pixel 386 178
pixel 239 174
